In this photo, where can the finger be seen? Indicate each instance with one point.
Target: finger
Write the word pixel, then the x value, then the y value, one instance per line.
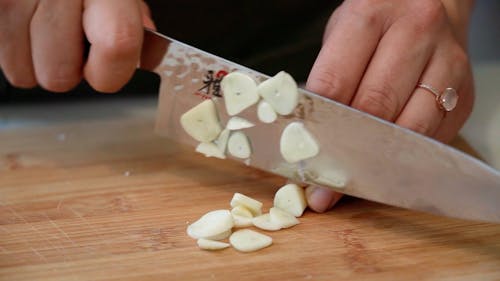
pixel 352 39
pixel 15 50
pixel 321 199
pixel 423 113
pixel 455 119
pixel 57 44
pixel 147 20
pixel 114 30
pixel 394 70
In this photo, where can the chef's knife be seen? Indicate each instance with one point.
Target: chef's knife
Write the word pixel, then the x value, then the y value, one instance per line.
pixel 360 155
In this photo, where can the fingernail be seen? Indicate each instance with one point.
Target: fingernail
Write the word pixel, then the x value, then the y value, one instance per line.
pixel 320 199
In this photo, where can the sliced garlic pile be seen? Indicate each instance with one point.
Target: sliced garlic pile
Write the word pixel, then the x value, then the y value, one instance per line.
pixel 247 212
pixel 280 96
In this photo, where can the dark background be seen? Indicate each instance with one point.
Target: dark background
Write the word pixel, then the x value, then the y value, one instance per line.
pixel 268 36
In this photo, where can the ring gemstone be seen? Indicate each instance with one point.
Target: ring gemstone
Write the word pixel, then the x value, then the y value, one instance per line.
pixel 448 99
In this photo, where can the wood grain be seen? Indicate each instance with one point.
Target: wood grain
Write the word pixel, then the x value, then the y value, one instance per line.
pixel 111 201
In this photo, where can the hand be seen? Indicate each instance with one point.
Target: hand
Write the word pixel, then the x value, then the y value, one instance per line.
pixel 376 52
pixel 41 42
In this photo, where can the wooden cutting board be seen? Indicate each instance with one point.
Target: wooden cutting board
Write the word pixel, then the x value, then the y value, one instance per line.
pixel 111 201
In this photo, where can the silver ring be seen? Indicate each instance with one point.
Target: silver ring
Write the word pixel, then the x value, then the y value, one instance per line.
pixel 447 100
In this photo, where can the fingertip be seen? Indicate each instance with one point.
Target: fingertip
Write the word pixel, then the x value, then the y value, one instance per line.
pixel 103 83
pixel 321 199
pixel 116 36
pixel 21 81
pixel 59 79
pixel 326 81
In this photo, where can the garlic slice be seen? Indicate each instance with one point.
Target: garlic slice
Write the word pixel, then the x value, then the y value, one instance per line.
pixel 291 198
pixel 264 222
pixel 240 92
pixel 220 236
pixel 240 210
pixel 242 216
pixel 247 240
pixel 241 221
pixel 281 92
pixel 213 225
pixel 266 113
pixel 238 123
pixel 210 150
pixel 238 145
pixel 251 204
pixel 201 122
pixel 282 218
pixel 297 143
pixel 221 141
pixel 211 245
pixel 332 177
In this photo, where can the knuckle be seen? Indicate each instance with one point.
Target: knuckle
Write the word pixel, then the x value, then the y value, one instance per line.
pixel 363 11
pixel 428 14
pixel 124 41
pixel 380 101
pixel 7 6
pixel 328 83
pixel 460 58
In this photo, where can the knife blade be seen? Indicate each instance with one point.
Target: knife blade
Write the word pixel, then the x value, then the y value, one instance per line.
pixel 360 155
